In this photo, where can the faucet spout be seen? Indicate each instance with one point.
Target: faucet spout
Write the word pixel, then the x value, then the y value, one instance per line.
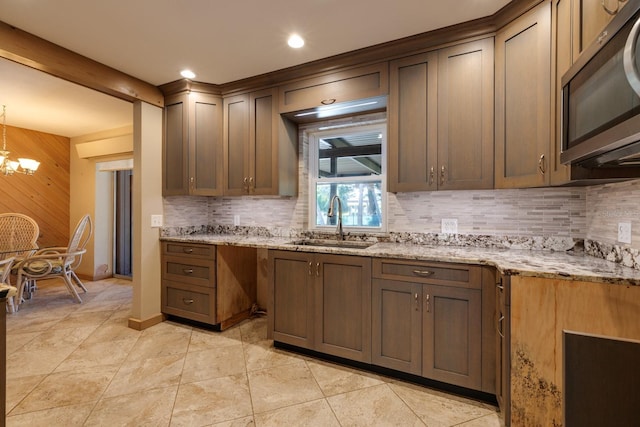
pixel 331 213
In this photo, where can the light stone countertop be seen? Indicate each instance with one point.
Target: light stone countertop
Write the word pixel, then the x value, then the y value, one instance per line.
pixel 522 262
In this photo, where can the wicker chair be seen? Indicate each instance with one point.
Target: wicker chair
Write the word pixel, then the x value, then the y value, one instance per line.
pixel 5 272
pixel 56 262
pixel 18 235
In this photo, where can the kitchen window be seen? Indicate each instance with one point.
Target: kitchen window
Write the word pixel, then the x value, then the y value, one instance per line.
pixel 349 163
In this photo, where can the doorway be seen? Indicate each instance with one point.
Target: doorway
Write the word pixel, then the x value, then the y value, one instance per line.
pixel 122 257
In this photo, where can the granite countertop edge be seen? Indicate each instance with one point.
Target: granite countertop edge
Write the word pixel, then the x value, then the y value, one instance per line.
pixel 515 262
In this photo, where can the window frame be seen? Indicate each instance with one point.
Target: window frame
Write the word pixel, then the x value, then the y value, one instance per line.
pixel 313 169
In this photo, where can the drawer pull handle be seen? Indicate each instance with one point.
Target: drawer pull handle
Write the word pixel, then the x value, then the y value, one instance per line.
pixel 415 297
pixel 328 101
pixel 187 250
pixel 422 272
pixel 428 300
pixel 500 320
pixel 187 270
pixel 187 301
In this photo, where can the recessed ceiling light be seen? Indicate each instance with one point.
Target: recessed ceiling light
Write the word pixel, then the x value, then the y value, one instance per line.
pixel 187 74
pixel 295 41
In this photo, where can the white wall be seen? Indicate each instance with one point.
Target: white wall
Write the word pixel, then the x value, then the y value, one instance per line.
pixel 92 192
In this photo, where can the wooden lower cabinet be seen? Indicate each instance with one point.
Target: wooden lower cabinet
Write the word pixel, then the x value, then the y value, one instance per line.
pixel 208 284
pixel 397 325
pixel 432 330
pixel 451 335
pixel 503 359
pixel 321 302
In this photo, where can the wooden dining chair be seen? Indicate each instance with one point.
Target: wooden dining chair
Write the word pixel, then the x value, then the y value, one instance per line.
pixel 60 262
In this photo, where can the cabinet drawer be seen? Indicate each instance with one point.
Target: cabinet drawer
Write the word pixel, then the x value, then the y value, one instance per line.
pixel 357 83
pixel 190 250
pixel 189 301
pixel 460 275
pixel 186 270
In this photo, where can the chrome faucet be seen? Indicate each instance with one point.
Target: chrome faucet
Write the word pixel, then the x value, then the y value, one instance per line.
pixel 331 213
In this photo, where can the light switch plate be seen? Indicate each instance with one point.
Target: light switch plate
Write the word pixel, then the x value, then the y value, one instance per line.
pixel 449 226
pixel 624 232
pixel 156 221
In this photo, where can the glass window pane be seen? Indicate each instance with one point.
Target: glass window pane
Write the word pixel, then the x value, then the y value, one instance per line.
pixel 361 203
pixel 350 155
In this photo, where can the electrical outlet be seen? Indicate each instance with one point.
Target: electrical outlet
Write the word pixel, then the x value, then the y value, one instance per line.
pixel 624 232
pixel 236 220
pixel 449 226
pixel 156 221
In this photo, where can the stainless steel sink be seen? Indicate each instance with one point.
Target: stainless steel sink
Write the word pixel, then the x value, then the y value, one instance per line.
pixel 333 243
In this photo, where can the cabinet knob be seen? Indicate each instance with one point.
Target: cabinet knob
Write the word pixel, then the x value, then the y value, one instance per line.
pixel 610 11
pixel 187 250
pixel 187 270
pixel 423 272
pixel 499 326
pixel 442 170
pixel 432 174
pixel 187 301
pixel 541 166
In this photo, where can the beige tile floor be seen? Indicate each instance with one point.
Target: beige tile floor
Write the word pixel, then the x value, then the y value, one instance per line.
pixel 80 365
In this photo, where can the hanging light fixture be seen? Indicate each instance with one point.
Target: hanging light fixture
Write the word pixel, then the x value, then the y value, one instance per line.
pixel 8 166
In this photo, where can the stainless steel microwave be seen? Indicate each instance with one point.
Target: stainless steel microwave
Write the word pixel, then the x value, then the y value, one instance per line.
pixel 601 98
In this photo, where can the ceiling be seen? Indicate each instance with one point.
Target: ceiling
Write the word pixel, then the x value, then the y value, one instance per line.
pixel 221 41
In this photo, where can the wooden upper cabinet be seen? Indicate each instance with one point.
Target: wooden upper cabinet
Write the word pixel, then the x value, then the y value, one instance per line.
pixel 236 145
pixel 251 143
pixel 192 145
pixel 412 123
pixel 263 142
pixel 441 119
pixel 562 59
pixel 465 116
pixel 357 83
pixel 523 100
pixel 591 17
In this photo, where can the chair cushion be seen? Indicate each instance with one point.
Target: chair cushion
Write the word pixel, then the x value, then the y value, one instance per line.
pixel 12 289
pixel 39 267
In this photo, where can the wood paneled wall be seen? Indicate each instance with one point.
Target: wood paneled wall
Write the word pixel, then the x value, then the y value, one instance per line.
pixel 45 195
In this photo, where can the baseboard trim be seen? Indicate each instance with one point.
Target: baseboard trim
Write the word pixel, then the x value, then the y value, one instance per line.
pixel 140 325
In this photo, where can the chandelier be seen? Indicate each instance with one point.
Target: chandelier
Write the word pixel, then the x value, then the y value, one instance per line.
pixel 8 166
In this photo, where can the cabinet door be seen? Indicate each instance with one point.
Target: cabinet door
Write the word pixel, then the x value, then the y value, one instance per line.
pixel 397 325
pixel 263 138
pixel 452 348
pixel 291 298
pixel 236 145
pixel 356 83
pixel 592 18
pixel 343 306
pixel 562 59
pixel 413 115
pixel 503 358
pixel 205 144
pixel 175 161
pixel 523 101
pixel 465 116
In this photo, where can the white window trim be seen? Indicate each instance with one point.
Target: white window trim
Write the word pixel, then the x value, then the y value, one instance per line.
pixel 314 137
